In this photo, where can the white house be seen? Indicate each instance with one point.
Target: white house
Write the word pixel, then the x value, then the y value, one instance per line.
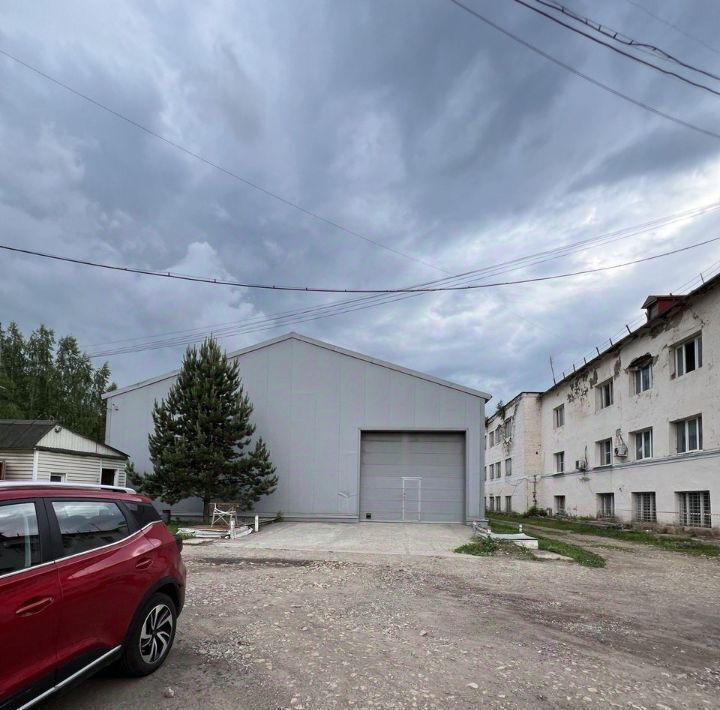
pixel 635 432
pixel 38 450
pixel 352 437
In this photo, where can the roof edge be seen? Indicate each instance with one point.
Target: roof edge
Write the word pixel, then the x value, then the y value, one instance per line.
pixel 292 335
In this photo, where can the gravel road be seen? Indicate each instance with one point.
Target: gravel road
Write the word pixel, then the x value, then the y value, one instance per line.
pixel 298 629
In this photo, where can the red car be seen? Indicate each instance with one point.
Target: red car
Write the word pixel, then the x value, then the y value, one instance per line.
pixel 89 576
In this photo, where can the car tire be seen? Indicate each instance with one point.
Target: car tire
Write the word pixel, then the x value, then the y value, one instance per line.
pixel 151 637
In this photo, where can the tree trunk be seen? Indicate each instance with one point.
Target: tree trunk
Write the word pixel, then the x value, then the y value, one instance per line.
pixel 206 510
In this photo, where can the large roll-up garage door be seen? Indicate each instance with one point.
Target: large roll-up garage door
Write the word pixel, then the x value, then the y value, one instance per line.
pixel 412 477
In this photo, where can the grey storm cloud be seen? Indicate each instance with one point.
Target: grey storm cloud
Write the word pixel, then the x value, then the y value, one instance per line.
pixel 408 122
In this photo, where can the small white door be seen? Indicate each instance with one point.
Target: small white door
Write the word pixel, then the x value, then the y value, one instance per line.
pixel 411 499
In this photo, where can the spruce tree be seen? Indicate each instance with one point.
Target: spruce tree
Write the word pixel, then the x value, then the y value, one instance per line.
pixel 201 443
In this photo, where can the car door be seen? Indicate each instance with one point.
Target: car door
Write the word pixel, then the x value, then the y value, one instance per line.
pixel 29 601
pixel 103 565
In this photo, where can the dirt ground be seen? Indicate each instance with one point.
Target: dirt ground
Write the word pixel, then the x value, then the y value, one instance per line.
pixel 271 628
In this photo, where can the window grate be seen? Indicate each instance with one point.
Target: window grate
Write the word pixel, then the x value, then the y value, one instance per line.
pixel 695 509
pixel 644 509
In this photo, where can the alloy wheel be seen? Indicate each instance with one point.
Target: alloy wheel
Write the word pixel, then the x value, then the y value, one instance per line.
pixel 156 634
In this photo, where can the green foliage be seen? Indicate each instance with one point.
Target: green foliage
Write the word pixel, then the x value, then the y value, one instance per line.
pixel 482 547
pixel 534 511
pixel 672 543
pixel 581 555
pixel 560 547
pixel 201 443
pixel 44 379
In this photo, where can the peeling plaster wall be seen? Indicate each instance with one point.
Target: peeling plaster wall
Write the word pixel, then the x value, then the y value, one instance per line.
pixel 670 398
pixel 524 449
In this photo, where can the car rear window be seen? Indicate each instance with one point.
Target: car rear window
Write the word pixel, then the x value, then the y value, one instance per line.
pixel 19 539
pixel 87 524
pixel 144 513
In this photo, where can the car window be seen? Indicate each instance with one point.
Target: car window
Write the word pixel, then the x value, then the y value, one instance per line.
pixel 19 539
pixel 86 525
pixel 144 513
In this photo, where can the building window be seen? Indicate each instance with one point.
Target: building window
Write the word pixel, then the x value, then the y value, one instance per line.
pixel 605 452
pixel 57 478
pixel 559 505
pixel 643 444
pixel 644 507
pixel 508 504
pixel 486 473
pixel 508 467
pixel 560 462
pixel 559 416
pixel 606 505
pixel 688 356
pixel 508 427
pixel 688 435
pixel 694 509
pixel 605 394
pixel 643 378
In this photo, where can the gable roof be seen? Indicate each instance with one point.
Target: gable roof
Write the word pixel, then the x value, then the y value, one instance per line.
pixel 23 433
pixel 319 344
pixel 29 434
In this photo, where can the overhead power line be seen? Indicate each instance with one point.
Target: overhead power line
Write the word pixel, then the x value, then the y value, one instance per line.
pixel 622 38
pixel 586 77
pixel 335 308
pixel 617 37
pixel 230 173
pixel 677 28
pixel 321 289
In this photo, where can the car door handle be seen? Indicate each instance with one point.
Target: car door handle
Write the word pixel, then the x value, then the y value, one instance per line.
pixel 144 563
pixel 34 607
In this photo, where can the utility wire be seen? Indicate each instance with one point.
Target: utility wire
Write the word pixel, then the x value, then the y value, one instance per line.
pixel 361 303
pixel 312 317
pixel 217 166
pixel 695 39
pixel 617 36
pixel 320 289
pixel 578 73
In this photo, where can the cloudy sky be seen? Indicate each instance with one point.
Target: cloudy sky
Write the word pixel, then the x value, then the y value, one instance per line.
pixel 408 122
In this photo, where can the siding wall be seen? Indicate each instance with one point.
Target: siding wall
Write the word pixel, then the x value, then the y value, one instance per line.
pixel 70 441
pixel 78 469
pixel 19 464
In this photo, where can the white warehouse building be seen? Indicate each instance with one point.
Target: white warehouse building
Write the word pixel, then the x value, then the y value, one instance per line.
pixel 352 438
pixel 633 434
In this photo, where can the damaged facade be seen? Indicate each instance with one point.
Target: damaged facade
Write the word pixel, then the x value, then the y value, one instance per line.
pixel 634 434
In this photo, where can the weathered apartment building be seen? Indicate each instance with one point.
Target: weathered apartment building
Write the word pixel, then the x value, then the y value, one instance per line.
pixel 632 434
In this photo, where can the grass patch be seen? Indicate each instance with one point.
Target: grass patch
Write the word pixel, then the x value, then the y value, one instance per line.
pixel 482 547
pixel 575 552
pixel 665 542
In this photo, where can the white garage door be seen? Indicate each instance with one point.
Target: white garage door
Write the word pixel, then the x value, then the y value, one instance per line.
pixel 412 477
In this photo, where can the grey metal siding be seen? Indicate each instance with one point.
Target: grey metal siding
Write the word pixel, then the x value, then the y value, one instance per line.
pixel 436 458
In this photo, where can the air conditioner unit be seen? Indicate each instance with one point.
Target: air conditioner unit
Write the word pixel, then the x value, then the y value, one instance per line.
pixel 621 451
pixel 581 465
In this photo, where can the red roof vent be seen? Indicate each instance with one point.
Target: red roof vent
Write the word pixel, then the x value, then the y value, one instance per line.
pixel 657 305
